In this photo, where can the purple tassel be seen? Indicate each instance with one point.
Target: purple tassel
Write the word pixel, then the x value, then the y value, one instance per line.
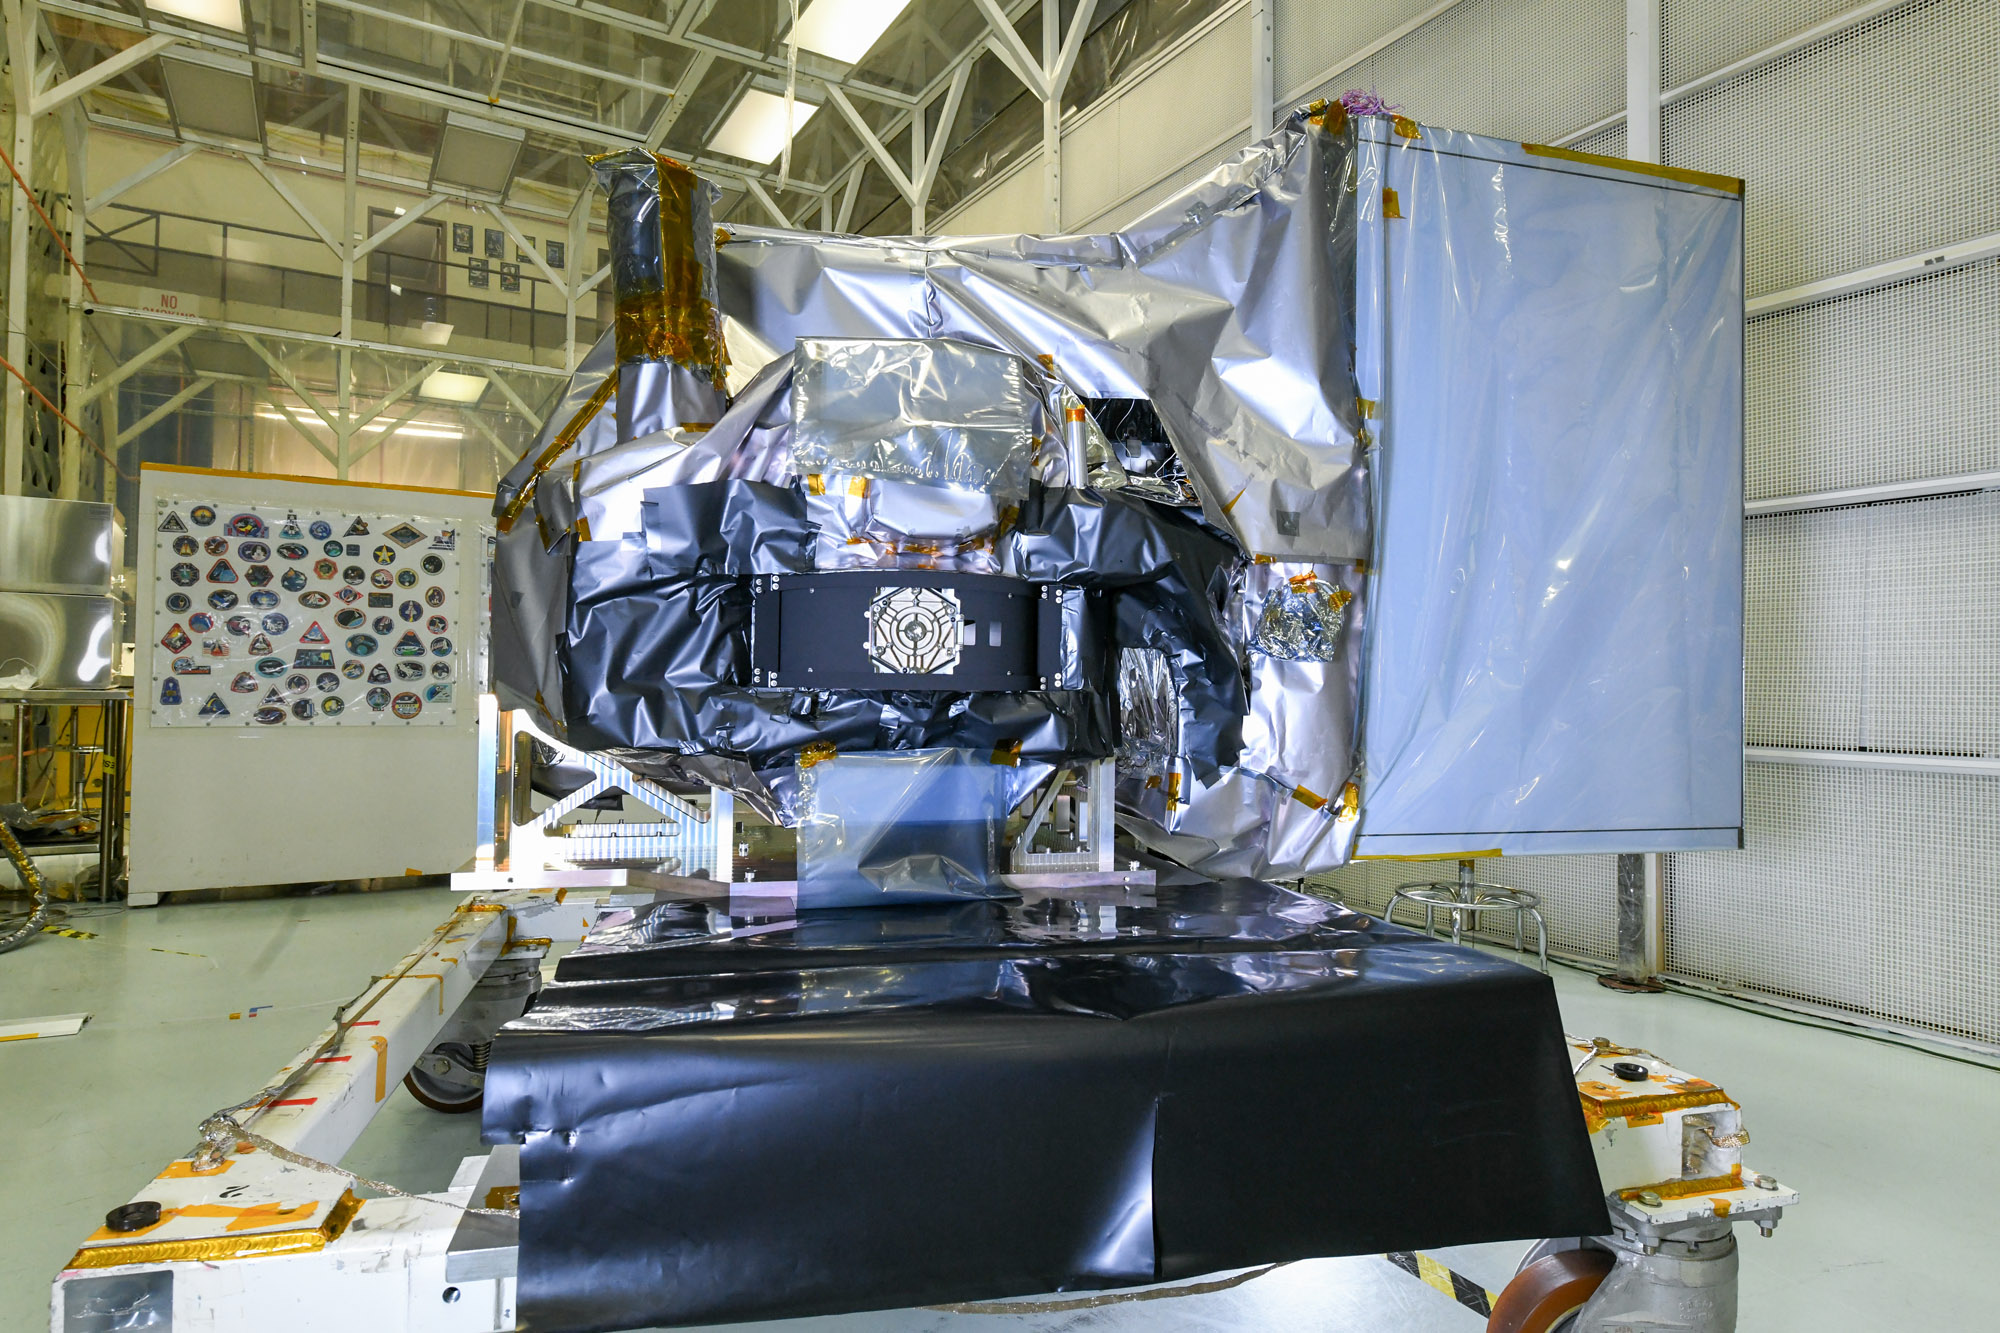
pixel 1359 103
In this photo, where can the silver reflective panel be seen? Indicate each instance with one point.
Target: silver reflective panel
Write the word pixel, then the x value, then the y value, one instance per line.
pixel 56 641
pixel 54 545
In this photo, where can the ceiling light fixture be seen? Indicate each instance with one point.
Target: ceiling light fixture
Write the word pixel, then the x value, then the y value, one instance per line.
pixel 755 130
pixel 476 155
pixel 212 93
pixel 847 29
pixel 448 386
pixel 224 14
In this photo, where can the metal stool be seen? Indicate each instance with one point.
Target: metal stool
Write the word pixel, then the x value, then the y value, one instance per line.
pixel 1469 897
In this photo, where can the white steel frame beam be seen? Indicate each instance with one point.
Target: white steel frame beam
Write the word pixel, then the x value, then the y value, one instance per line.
pixel 173 157
pixel 76 84
pixel 325 340
pixel 134 365
pixel 170 406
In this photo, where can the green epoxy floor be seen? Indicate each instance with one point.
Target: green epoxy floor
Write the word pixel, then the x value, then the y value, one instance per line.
pixel 1889 1146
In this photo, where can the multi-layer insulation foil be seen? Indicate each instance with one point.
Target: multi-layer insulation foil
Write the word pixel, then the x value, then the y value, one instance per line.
pixel 1372 482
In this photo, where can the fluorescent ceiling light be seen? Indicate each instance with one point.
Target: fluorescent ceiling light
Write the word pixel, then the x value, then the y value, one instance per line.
pixel 212 93
pixel 215 13
pixel 477 155
pixel 448 386
pixel 847 29
pixel 755 130
pixel 417 430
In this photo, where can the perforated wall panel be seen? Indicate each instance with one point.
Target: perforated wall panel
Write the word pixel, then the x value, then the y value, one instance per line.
pixel 1917 364
pixel 1870 891
pixel 1311 39
pixel 1837 179
pixel 1519 69
pixel 1874 628
pixel 1159 124
pixel 1702 36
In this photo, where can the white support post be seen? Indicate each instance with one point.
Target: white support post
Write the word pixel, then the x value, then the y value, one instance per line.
pixel 845 221
pixel 76 136
pixel 22 23
pixel 1263 72
pixel 291 381
pixel 578 234
pixel 1642 80
pixel 1051 120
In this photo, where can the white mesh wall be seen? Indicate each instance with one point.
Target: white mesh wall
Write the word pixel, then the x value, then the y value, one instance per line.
pixel 1579 897
pixel 1311 39
pixel 1828 383
pixel 1838 178
pixel 1873 628
pixel 1159 124
pixel 1521 69
pixel 1866 890
pixel 1700 37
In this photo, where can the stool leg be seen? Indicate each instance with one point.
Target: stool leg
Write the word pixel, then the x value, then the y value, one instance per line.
pixel 1518 926
pixel 1541 937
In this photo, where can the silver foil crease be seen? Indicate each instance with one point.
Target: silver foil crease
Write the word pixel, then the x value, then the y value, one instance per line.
pixel 919 410
pixel 1230 307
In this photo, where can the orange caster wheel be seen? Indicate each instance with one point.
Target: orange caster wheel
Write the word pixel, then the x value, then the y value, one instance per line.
pixel 1546 1293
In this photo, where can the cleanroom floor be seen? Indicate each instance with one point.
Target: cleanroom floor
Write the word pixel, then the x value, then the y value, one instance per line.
pixel 1901 1185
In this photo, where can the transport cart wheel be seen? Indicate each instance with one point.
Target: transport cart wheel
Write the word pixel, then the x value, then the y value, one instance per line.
pixel 1548 1291
pixel 450 1077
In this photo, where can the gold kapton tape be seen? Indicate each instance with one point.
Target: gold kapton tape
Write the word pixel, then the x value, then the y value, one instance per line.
pixel 1392 207
pixel 1406 127
pixel 213 1249
pixel 1706 179
pixel 564 438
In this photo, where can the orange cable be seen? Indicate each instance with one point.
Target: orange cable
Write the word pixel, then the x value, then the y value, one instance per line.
pixel 36 204
pixel 81 433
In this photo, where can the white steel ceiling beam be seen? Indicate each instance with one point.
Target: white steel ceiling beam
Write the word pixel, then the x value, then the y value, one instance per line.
pixel 762 196
pixel 527 247
pixel 283 372
pixel 1013 52
pixel 238 328
pixel 883 157
pixel 300 427
pixel 46 102
pixel 511 453
pixel 165 161
pixel 164 410
pixel 399 393
pixel 133 365
pixel 507 52
pixel 382 437
pixel 520 404
pixel 284 192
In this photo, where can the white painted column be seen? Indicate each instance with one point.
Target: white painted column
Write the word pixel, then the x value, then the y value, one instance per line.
pixel 1642 80
pixel 1052 121
pixel 21 47
pixel 1263 72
